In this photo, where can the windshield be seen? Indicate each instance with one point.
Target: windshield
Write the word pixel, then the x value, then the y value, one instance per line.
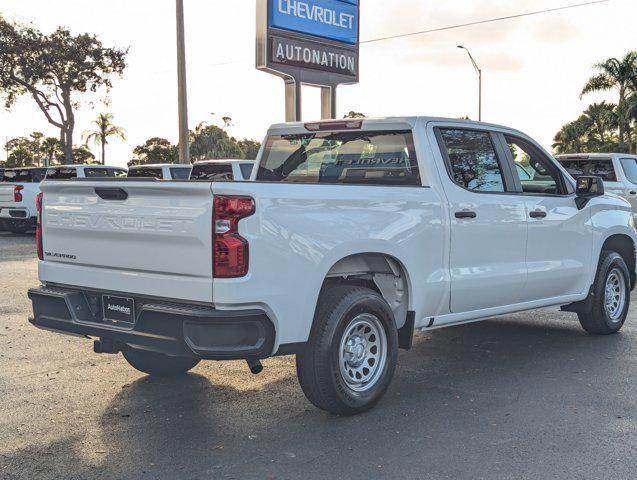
pixel 61 173
pixel 369 158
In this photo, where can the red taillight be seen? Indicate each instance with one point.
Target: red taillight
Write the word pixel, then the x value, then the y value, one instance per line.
pixel 230 250
pixel 17 193
pixel 38 226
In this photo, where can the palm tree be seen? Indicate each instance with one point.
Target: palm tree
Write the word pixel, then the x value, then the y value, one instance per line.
pixel 52 148
pixel 571 137
pixel 616 74
pixel 602 121
pixel 104 128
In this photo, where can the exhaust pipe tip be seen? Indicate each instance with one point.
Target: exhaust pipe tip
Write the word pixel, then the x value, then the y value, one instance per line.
pixel 255 366
pixel 106 346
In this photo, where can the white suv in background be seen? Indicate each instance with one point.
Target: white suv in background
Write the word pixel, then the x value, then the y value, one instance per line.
pixel 619 171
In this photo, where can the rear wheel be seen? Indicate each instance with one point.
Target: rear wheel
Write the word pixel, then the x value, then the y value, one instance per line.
pixel 351 355
pixel 611 296
pixel 158 364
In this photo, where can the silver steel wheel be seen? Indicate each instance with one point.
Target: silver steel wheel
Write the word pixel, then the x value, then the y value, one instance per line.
pixel 615 294
pixel 362 352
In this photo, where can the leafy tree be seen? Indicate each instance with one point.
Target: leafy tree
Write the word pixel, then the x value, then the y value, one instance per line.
pixel 83 155
pixel 250 148
pixel 155 150
pixel 209 142
pixel 53 69
pixel 104 128
pixel 616 74
pixel 353 114
pixel 601 122
pixel 570 138
pixel 52 150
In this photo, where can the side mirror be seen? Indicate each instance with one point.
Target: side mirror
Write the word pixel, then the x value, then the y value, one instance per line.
pixel 588 187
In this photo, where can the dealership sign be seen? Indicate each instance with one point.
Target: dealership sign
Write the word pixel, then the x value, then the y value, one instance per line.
pixel 309 41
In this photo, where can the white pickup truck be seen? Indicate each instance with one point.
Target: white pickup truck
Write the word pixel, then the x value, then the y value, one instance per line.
pixel 349 236
pixel 18 190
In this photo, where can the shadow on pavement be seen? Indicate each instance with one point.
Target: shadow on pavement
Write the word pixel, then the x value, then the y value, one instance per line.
pixel 507 395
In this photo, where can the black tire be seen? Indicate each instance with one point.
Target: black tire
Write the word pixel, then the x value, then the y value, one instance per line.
pixel 319 365
pixel 599 320
pixel 158 364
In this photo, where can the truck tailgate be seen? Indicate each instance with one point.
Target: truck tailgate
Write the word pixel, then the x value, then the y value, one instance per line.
pixel 140 238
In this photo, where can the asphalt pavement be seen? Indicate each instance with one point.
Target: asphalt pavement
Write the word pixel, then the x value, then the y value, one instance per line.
pixel 526 396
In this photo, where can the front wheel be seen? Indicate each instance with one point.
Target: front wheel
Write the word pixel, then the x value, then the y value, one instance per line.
pixel 158 364
pixel 352 352
pixel 611 296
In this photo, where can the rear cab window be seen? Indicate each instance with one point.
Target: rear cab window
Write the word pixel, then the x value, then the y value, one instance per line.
pixel 358 158
pixel 602 167
pixel 61 173
pixel 146 173
pixel 26 175
pixel 97 172
pixel 212 172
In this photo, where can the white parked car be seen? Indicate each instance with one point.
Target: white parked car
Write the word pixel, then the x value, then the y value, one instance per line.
pixel 619 171
pixel 18 190
pixel 161 171
pixel 351 235
pixel 222 170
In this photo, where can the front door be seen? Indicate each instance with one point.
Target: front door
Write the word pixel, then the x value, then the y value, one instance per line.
pixel 560 239
pixel 488 222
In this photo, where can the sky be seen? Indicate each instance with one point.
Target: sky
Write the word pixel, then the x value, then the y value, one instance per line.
pixel 533 68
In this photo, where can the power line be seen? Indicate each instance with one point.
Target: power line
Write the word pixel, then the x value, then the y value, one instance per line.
pixel 481 22
pixel 448 27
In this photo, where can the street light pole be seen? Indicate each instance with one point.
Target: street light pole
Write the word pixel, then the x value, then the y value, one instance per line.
pixel 184 156
pixel 479 72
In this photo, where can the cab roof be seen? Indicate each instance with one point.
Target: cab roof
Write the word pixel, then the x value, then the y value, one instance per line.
pixel 378 123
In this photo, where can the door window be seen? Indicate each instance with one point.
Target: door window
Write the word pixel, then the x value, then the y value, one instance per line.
pixel 536 172
pixel 180 173
pixel 630 169
pixel 472 160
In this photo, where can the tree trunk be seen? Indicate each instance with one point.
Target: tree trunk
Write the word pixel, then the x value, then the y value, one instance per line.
pixel 103 152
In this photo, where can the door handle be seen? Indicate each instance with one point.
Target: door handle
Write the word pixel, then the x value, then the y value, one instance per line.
pixel 111 193
pixel 538 214
pixel 466 214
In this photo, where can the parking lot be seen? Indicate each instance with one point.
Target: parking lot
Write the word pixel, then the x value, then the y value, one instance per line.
pixel 524 396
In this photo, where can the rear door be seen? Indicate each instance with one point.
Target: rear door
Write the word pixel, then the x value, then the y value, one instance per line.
pixel 132 237
pixel 560 239
pixel 488 221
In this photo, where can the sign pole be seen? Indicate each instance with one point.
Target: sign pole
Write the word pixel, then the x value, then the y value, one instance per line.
pixel 318 50
pixel 292 100
pixel 328 103
pixel 184 155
